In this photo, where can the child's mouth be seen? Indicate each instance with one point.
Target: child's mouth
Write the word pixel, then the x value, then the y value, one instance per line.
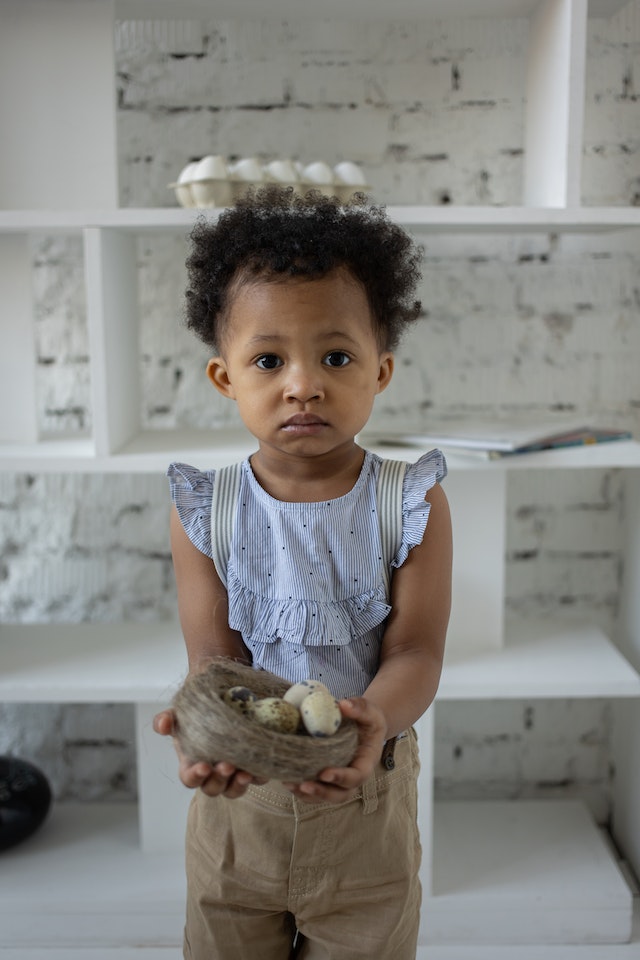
pixel 304 424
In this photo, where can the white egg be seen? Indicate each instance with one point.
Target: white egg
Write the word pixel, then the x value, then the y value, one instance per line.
pixel 210 186
pixel 248 169
pixel 182 186
pixel 319 176
pixel 299 691
pixel 349 173
pixel 186 174
pixel 320 714
pixel 243 173
pixel 210 168
pixel 281 171
pixel 349 180
pixel 318 172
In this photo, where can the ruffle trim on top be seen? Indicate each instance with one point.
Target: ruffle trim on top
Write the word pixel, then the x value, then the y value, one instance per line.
pixel 309 622
pixel 191 492
pixel 419 477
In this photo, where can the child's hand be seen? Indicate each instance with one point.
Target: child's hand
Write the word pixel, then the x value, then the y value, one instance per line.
pixel 221 778
pixel 337 784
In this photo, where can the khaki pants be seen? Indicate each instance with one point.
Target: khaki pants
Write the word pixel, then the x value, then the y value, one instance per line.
pixel 346 876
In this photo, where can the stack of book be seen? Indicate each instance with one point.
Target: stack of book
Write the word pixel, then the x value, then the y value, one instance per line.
pixel 498 439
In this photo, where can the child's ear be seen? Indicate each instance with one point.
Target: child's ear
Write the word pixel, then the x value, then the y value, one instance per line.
pixel 219 375
pixel 386 370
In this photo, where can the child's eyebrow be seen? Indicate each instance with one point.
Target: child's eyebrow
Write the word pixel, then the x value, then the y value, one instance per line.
pixel 282 337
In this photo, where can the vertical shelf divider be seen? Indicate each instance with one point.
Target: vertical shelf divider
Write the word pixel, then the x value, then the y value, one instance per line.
pixel 555 104
pixel 425 728
pixel 478 500
pixel 112 313
pixel 18 409
pixel 163 801
pixel 57 105
pixel 626 735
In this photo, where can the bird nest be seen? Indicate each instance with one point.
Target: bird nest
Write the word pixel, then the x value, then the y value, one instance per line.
pixel 208 729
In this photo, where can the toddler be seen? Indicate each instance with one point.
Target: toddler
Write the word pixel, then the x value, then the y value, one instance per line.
pixel 302 302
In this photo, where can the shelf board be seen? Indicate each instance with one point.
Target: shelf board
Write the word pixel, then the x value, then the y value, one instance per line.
pixel 91 662
pixel 145 662
pixel 517 872
pixel 540 660
pixel 339 10
pixel 618 453
pixel 151 451
pixel 50 455
pixel 437 219
pixel 524 872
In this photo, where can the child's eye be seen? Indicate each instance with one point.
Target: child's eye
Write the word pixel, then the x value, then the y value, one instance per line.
pixel 268 361
pixel 337 358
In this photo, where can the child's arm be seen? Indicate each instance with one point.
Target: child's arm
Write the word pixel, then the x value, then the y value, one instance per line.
pixel 413 644
pixel 411 656
pixel 203 609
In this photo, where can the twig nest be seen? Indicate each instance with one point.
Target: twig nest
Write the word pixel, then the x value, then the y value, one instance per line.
pixel 213 723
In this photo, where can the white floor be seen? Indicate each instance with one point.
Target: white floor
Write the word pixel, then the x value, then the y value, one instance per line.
pixel 629 951
pixel 83 891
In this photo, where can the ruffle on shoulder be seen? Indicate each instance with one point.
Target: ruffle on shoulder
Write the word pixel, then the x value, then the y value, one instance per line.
pixel 191 492
pixel 308 622
pixel 419 477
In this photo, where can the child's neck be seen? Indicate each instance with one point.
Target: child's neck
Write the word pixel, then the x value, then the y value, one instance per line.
pixel 308 480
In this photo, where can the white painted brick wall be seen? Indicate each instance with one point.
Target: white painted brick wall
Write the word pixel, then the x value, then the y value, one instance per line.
pixel 434 113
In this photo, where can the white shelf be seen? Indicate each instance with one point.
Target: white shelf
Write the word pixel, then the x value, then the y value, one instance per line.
pixel 507 872
pixel 339 10
pixel 91 663
pixel 618 453
pixel 151 451
pixel 524 872
pixel 144 663
pixel 540 660
pixel 439 219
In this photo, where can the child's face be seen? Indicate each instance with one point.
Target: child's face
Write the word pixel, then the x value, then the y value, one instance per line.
pixel 302 361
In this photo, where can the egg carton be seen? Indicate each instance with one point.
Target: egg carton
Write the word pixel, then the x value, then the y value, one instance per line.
pixel 213 182
pixel 208 729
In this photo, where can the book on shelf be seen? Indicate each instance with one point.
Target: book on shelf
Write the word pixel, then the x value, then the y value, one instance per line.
pixel 497 439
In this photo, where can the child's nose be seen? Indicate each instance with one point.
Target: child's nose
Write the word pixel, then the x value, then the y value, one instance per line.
pixel 304 383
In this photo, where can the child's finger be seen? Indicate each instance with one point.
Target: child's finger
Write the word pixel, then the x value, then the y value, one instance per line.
pixel 163 723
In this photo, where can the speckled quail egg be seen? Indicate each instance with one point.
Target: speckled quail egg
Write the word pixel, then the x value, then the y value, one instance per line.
pixel 320 714
pixel 241 699
pixel 299 691
pixel 274 714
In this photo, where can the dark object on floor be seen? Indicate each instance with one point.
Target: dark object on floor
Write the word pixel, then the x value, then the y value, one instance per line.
pixel 25 798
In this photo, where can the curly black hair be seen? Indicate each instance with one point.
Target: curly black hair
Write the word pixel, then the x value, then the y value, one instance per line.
pixel 273 234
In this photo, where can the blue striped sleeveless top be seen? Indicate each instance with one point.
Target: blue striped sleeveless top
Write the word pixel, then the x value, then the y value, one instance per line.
pixel 305 581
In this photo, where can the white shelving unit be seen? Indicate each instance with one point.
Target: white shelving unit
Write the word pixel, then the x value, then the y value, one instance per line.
pixel 493 872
